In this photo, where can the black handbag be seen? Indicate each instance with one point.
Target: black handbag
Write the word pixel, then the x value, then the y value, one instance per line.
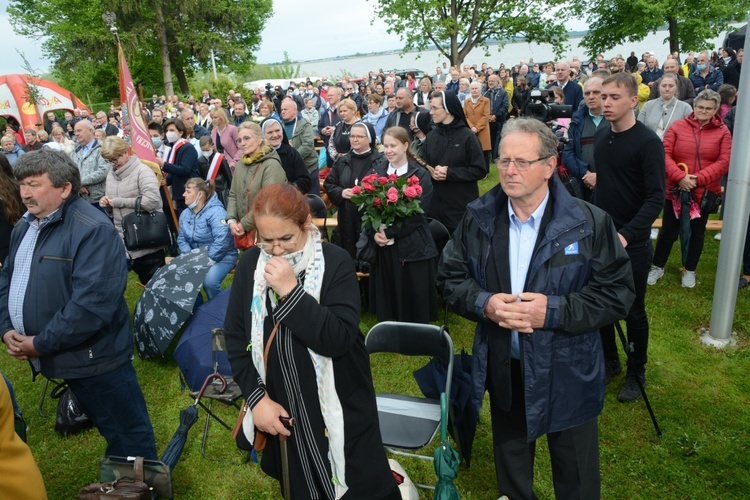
pixel 70 417
pixel 141 229
pixel 366 248
pixel 711 202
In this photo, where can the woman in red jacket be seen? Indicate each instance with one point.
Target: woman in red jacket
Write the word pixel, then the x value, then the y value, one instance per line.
pixel 703 143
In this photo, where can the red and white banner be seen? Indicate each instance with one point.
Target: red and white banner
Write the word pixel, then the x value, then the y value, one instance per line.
pixel 140 139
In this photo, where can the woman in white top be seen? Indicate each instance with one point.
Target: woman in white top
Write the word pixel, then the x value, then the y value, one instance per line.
pixel 658 114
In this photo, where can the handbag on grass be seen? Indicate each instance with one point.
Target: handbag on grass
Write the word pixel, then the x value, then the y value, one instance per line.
pixel 260 437
pixel 134 488
pixel 141 229
pixel 156 474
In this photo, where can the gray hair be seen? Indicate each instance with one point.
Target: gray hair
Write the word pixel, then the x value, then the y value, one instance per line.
pixel 58 166
pixel 547 139
pixel 86 124
pixel 709 95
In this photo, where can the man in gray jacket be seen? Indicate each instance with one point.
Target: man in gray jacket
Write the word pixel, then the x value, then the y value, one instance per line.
pixel 93 168
pixel 302 138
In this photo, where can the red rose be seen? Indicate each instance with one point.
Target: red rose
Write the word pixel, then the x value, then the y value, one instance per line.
pixel 356 190
pixel 377 202
pixel 413 180
pixel 393 177
pixel 368 187
pixel 392 195
pixel 418 188
pixel 382 180
pixel 370 178
pixel 410 192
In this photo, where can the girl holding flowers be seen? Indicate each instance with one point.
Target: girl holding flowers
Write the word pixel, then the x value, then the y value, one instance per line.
pixel 402 281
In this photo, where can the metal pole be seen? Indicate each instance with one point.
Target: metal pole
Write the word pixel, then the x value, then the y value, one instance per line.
pixel 736 216
pixel 213 64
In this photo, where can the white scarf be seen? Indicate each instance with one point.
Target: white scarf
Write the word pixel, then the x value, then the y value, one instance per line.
pixel 309 259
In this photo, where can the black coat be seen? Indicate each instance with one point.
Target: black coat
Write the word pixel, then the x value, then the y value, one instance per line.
pixel 330 328
pixel 294 168
pixel 457 147
pixel 342 176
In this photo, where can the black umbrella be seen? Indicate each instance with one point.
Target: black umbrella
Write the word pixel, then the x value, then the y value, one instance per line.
pixel 188 417
pixel 168 300
pixel 172 453
pixel 464 415
pixel 688 210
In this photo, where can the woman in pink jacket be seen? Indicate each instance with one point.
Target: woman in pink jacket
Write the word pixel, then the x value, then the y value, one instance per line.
pixel 224 136
pixel 703 143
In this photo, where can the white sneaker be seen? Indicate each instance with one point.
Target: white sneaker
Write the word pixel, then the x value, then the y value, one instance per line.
pixel 718 236
pixel 654 234
pixel 655 275
pixel 688 278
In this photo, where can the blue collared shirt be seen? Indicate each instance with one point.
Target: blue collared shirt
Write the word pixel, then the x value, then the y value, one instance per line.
pixel 85 149
pixel 521 242
pixel 596 119
pixel 22 272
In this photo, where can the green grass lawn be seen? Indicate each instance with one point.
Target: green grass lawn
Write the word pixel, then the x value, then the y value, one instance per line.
pixel 700 396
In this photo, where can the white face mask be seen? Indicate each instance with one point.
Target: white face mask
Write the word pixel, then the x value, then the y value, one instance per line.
pixel 207 154
pixel 172 137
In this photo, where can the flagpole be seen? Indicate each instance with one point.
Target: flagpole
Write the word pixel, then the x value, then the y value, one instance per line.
pixel 123 72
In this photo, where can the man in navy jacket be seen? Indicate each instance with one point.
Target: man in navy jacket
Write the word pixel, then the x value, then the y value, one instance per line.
pixel 62 305
pixel 540 272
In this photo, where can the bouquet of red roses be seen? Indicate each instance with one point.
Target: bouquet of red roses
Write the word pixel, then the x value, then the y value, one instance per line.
pixel 386 200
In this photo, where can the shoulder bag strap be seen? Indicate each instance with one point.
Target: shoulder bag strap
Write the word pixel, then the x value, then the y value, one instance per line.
pixel 268 346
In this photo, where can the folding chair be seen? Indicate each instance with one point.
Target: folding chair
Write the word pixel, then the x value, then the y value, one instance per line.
pixel 439 233
pixel 408 422
pixel 222 388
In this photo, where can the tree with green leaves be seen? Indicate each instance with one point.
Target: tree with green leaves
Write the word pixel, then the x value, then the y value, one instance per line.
pixel 691 23
pixel 455 27
pixel 155 34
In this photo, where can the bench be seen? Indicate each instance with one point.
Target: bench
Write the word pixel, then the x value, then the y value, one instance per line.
pixel 711 225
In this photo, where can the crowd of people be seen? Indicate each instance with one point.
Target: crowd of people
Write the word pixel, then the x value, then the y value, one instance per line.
pixel 541 256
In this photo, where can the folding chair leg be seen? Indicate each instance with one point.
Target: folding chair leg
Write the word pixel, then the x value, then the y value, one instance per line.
pixel 209 415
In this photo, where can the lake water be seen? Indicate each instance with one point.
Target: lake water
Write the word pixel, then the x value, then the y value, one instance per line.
pixel 510 55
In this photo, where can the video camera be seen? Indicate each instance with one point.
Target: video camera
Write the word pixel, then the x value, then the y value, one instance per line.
pixel 541 108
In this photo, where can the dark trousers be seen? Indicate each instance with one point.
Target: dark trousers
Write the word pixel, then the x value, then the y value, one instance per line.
pixel 146 266
pixel 116 405
pixel 669 233
pixel 636 320
pixel 574 452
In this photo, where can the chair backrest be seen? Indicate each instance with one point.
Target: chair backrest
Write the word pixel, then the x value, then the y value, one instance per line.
pixel 317 206
pixel 413 339
pixel 439 233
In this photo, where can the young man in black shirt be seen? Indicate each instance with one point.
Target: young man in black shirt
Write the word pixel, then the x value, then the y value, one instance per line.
pixel 630 187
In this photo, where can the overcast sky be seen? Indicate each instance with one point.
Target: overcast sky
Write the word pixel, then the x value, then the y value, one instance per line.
pixel 304 32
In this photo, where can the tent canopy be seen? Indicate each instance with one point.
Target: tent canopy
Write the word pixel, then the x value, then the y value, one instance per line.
pixel 13 102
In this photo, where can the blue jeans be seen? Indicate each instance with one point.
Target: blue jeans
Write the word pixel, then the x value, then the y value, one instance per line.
pixel 217 273
pixel 116 405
